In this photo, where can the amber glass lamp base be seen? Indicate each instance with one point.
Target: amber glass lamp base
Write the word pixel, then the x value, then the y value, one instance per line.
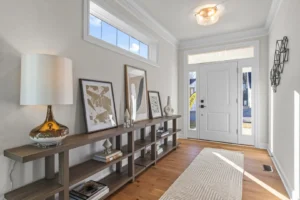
pixel 50 133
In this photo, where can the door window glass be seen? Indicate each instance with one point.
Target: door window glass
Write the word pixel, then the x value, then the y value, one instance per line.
pixel 247 103
pixel 192 100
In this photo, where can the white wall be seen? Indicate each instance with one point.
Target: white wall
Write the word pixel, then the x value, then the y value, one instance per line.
pixel 263 85
pixel 55 27
pixel 286 23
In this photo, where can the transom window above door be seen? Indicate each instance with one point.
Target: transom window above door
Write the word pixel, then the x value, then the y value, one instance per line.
pixel 110 34
pixel 224 55
pixel 107 30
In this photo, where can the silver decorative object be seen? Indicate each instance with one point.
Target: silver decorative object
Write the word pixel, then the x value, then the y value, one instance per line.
pixel 127 120
pixel 129 117
pixel 168 109
pixel 108 147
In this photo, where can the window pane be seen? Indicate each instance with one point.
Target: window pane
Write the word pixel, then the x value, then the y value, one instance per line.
pixel 134 45
pixel 231 54
pixel 95 27
pixel 109 33
pixel 143 50
pixel 192 100
pixel 247 105
pixel 123 40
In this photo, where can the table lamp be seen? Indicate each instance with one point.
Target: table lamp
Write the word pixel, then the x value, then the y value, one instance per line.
pixel 47 80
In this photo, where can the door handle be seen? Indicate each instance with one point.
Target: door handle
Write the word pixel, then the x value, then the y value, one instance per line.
pixel 202 106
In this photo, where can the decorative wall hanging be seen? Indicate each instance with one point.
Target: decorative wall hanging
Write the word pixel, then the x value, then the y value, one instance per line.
pixel 280 57
pixel 99 105
pixel 136 93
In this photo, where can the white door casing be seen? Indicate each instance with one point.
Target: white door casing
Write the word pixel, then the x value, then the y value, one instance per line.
pixel 254 62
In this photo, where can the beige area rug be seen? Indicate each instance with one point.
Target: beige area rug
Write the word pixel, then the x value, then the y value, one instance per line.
pixel 215 174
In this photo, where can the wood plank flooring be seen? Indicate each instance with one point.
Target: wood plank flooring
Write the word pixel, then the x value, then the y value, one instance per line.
pixel 151 184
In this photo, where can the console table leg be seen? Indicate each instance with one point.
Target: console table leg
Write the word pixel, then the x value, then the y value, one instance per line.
pixel 174 135
pixel 153 146
pixel 130 144
pixel 64 174
pixel 49 170
pixel 166 129
pixel 118 147
pixel 166 125
pixel 143 152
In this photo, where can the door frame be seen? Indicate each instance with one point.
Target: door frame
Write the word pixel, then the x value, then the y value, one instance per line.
pixel 253 62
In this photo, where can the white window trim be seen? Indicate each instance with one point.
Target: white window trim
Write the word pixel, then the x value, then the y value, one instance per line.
pixel 224 59
pixel 122 26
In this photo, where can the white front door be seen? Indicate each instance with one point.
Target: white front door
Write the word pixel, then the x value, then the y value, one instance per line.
pixel 218 102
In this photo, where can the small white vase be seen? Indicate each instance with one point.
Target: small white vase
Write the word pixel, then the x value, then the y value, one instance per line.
pixel 168 109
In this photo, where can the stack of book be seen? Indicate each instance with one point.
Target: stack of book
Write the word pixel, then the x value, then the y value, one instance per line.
pixel 90 190
pixel 102 157
pixel 159 149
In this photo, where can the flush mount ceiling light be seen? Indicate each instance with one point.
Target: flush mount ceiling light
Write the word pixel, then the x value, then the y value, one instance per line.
pixel 208 15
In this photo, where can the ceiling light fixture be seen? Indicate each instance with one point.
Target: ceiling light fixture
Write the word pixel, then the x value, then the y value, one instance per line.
pixel 208 16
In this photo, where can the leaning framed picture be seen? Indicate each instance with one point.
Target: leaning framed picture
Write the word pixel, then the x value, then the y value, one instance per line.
pixel 136 92
pixel 154 104
pixel 99 105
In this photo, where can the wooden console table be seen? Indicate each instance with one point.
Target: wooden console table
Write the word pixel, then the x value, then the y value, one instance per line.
pixel 67 176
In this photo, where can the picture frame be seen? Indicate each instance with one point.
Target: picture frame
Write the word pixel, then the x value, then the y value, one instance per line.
pixel 155 104
pixel 136 87
pixel 99 105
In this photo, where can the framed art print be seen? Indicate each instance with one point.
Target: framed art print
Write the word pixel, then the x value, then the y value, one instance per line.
pixel 99 105
pixel 136 92
pixel 155 104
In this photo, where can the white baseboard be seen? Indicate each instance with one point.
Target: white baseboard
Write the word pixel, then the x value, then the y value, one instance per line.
pixel 282 175
pixel 263 146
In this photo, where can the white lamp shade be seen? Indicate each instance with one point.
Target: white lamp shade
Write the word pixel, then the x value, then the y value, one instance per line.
pixel 46 80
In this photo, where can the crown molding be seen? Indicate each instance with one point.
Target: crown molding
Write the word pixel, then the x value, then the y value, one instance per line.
pixel 272 13
pixel 223 38
pixel 142 15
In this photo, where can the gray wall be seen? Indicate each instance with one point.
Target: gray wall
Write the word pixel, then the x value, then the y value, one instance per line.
pixel 55 27
pixel 286 23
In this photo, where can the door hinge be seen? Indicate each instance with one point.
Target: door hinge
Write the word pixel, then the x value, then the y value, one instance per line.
pixel 237 100
pixel 237 70
pixel 237 131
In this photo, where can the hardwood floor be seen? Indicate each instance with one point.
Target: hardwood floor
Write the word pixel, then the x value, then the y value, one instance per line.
pixel 151 184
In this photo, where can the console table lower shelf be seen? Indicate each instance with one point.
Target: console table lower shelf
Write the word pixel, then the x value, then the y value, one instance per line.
pixel 66 176
pixel 114 181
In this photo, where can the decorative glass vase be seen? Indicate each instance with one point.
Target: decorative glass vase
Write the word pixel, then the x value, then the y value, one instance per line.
pixel 168 109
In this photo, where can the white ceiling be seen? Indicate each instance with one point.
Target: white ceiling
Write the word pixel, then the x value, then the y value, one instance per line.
pixel 177 16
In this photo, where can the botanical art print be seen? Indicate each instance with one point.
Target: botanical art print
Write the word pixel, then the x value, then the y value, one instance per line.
pixel 155 104
pixel 136 92
pixel 99 105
